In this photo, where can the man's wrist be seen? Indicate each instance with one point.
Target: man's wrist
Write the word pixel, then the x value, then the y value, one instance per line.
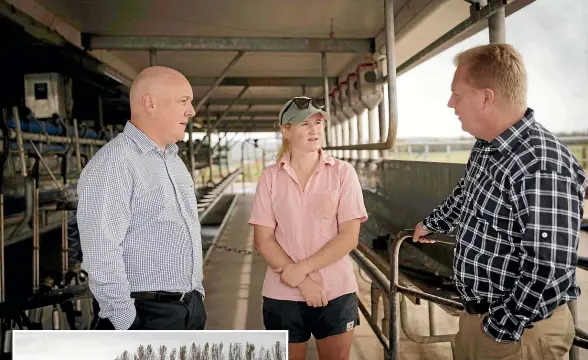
pixel 426 227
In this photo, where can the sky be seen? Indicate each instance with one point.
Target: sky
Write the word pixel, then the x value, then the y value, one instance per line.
pixel 107 345
pixel 550 35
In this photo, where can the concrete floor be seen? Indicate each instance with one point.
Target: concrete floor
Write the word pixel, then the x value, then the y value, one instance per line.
pixel 233 300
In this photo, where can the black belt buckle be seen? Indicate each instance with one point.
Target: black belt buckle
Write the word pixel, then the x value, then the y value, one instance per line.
pixel 163 296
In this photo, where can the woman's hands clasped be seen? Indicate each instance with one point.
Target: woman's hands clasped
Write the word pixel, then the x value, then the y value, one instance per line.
pixel 295 275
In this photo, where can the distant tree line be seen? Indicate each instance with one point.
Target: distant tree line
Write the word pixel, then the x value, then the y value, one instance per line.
pixel 214 351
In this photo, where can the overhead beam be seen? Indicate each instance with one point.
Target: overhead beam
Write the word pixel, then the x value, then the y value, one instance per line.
pixel 249 44
pixel 235 114
pixel 261 81
pixel 236 126
pixel 251 102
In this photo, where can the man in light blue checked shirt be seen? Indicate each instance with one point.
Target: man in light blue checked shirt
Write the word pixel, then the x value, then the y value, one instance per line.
pixel 138 218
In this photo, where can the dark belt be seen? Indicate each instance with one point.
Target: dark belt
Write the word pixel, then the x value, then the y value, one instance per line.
pixel 162 295
pixel 476 307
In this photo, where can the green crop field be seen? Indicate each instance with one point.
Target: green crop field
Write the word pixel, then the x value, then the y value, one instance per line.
pixel 462 156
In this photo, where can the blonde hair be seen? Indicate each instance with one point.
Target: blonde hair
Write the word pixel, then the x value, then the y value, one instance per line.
pixel 498 67
pixel 285 147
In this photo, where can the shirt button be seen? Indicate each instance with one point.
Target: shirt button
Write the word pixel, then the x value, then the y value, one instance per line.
pixel 544 235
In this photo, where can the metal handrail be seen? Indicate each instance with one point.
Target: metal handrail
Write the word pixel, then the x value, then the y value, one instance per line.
pixel 375 268
pixel 394 251
pixel 382 286
pixel 580 339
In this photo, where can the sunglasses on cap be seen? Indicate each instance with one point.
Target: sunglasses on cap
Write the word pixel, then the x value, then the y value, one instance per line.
pixel 304 102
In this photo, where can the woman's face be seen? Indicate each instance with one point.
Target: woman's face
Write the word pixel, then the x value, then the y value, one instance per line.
pixel 306 136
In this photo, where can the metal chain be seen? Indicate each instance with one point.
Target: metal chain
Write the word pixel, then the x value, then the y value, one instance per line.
pixel 235 250
pixel 231 249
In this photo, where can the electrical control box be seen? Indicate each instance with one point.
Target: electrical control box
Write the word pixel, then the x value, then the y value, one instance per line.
pixel 47 94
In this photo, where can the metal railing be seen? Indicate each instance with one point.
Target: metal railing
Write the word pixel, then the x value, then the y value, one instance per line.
pixel 397 288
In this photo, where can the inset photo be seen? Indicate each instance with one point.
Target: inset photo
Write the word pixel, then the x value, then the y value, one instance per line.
pixel 150 345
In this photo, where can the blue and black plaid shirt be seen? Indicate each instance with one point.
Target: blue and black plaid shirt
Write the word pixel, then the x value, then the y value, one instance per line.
pixel 517 211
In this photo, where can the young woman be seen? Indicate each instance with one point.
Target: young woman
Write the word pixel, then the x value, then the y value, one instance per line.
pixel 307 212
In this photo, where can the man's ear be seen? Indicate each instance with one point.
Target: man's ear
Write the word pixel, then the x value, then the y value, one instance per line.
pixel 149 103
pixel 489 98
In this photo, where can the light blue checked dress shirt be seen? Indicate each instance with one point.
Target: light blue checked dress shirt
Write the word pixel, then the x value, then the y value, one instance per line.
pixel 138 224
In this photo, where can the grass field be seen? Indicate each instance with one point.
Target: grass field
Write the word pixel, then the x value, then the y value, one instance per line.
pixel 461 157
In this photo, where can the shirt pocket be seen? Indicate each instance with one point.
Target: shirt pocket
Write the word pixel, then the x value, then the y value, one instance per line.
pixel 187 195
pixel 325 206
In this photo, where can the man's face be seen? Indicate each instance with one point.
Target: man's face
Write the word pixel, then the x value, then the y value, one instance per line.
pixel 175 109
pixel 468 103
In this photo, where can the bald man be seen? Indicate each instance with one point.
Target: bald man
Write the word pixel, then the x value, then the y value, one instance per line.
pixel 138 218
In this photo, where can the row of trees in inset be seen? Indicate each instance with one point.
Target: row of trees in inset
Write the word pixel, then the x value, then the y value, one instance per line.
pixel 214 351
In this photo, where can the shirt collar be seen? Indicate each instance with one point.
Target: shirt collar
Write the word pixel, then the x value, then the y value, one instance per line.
pixel 144 143
pixel 325 158
pixel 510 137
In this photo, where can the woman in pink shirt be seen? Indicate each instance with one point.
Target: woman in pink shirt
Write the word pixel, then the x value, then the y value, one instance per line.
pixel 306 214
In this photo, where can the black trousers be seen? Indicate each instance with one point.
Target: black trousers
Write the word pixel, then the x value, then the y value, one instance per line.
pixel 188 314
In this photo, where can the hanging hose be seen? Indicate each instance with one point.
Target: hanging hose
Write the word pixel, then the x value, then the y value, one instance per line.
pixel 73 244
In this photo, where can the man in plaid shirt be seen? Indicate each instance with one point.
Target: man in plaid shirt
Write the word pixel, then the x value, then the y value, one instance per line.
pixel 517 211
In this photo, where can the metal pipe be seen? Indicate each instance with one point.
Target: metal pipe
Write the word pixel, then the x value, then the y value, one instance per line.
pixel 371 270
pixel 497 26
pixel 220 78
pixel 152 57
pixel 395 288
pixel 394 331
pixel 191 147
pixel 77 144
pixel 209 139
pixel 19 139
pixel 28 214
pixel 392 93
pixel 54 139
pixel 326 91
pixel 419 339
pixel 379 333
pixel 3 157
pixel 36 237
pixel 483 14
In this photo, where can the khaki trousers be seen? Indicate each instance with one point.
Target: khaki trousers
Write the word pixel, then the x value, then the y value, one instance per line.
pixel 549 339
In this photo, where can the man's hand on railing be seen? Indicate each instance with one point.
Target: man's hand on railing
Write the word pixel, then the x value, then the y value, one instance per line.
pixel 420 232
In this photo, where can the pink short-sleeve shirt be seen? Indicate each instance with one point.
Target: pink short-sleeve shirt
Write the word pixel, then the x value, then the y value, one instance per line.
pixel 305 220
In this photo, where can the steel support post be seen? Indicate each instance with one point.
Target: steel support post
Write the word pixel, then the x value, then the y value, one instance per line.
pixel 191 159
pixel 326 93
pixel 497 27
pixel 394 331
pixel 353 136
pixel 383 121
